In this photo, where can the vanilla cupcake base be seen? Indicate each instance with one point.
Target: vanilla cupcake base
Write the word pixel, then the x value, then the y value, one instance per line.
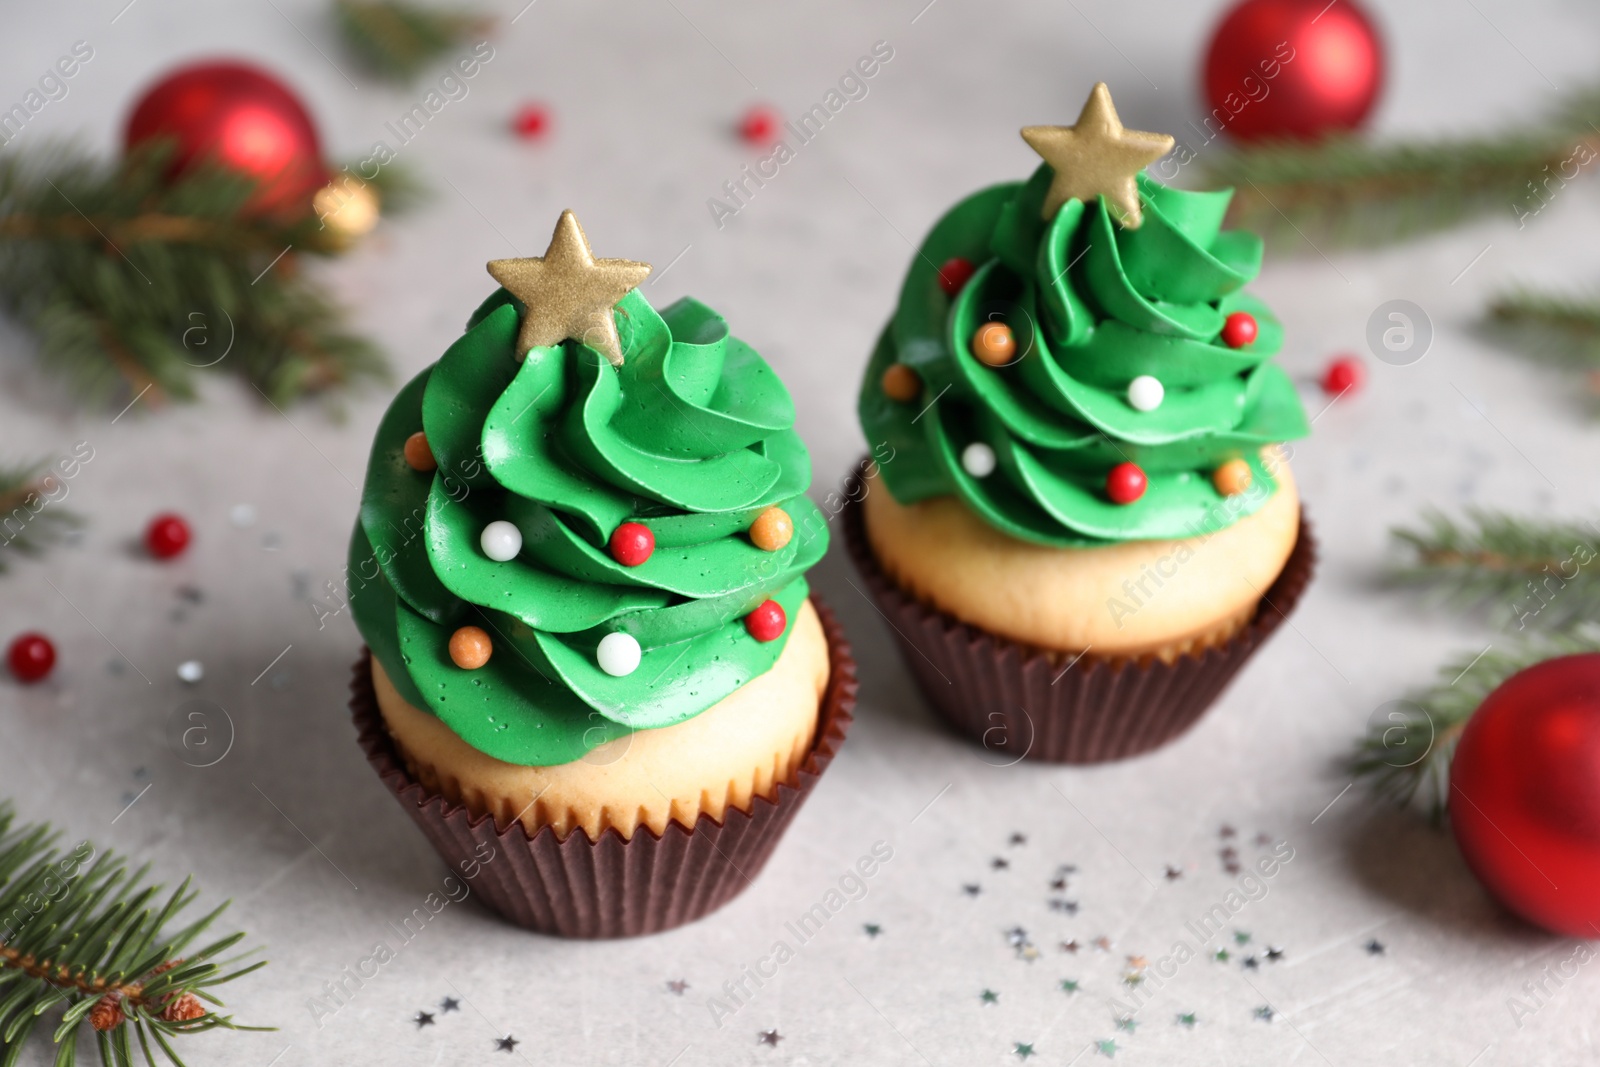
pixel 740 748
pixel 1137 598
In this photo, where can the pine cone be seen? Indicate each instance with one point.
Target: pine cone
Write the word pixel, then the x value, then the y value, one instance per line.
pixel 107 1012
pixel 183 1009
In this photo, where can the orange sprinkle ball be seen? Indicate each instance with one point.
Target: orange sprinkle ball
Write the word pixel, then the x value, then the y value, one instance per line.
pixel 772 530
pixel 1232 478
pixel 470 648
pixel 993 344
pixel 901 384
pixel 419 457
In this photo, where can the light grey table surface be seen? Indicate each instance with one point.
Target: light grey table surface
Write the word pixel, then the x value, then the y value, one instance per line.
pixel 319 861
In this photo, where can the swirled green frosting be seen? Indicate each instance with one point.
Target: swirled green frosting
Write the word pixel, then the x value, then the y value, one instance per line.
pixel 1092 306
pixel 692 436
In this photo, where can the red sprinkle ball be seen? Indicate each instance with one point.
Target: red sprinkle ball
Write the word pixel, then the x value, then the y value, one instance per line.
pixel 1345 374
pixel 632 543
pixel 759 125
pixel 767 622
pixel 166 536
pixel 1125 483
pixel 31 656
pixel 531 122
pixel 1239 329
pixel 955 274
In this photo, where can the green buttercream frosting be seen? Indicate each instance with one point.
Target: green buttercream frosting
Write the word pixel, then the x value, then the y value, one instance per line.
pixel 1092 306
pixel 692 436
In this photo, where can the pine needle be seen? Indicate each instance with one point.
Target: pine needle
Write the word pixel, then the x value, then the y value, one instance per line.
pixel 134 283
pixel 1561 329
pixel 1518 573
pixel 30 517
pixel 1346 191
pixel 81 937
pixel 1405 755
pixel 398 40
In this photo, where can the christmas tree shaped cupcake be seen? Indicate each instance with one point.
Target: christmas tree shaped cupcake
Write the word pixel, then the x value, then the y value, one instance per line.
pixel 1084 524
pixel 580 570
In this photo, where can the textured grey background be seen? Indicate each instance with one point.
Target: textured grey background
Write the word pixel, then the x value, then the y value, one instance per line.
pixel 319 860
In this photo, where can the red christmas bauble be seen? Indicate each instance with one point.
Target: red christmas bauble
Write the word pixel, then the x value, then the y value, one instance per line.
pixel 1525 794
pixel 767 622
pixel 31 656
pixel 1292 69
pixel 166 536
pixel 1125 483
pixel 1239 329
pixel 632 543
pixel 242 118
pixel 1344 374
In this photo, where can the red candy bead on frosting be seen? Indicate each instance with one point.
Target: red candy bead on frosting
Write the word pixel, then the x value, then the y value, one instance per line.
pixel 531 121
pixel 954 274
pixel 1125 483
pixel 767 622
pixel 166 536
pixel 31 656
pixel 1239 329
pixel 759 125
pixel 632 543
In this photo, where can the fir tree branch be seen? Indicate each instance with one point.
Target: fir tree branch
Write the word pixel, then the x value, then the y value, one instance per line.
pixel 29 519
pixel 1560 329
pixel 1347 191
pixel 1405 756
pixel 130 280
pixel 1518 573
pixel 398 40
pixel 83 936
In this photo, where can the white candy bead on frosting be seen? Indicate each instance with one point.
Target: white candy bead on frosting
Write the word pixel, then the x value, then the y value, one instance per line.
pixel 977 459
pixel 618 654
pixel 1145 393
pixel 501 540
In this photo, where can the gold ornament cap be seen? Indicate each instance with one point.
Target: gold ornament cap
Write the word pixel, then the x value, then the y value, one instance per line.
pixel 1097 156
pixel 568 294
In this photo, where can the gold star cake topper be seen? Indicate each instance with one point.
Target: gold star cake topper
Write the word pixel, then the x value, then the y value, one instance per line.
pixel 1096 156
pixel 568 293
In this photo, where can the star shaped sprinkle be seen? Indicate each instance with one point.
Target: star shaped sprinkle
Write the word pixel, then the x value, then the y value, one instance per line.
pixel 506 1044
pixel 1226 831
pixel 1274 953
pixel 1016 937
pixel 1173 873
pixel 1128 1023
pixel 999 863
pixel 1069 986
pixel 1059 884
pixel 1250 963
pixel 1022 1050
pixel 1137 963
pixel 1070 945
pixel 1374 947
pixel 989 996
pixel 423 1018
pixel 1188 1019
pixel 1019 839
pixel 1221 955
pixel 1061 904
pixel 449 1004
pixel 1096 156
pixel 972 889
pixel 568 294
pixel 1102 943
pixel 1107 1048
pixel 1132 979
pixel 769 1037
pixel 1241 937
pixel 1265 1013
pixel 872 929
pixel 678 986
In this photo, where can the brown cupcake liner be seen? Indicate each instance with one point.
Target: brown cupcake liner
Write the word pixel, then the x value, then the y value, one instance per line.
pixel 1022 702
pixel 612 887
